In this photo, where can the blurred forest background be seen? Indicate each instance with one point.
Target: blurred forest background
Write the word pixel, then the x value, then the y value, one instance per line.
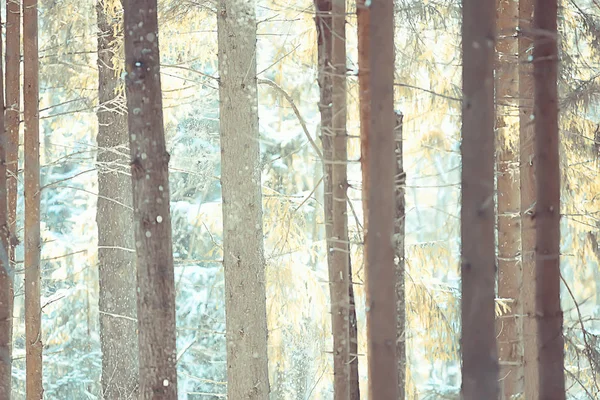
pixel 428 78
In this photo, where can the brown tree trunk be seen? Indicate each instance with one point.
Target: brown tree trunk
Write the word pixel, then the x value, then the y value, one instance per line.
pixel 152 219
pixel 339 276
pixel 509 227
pixel 547 210
pixel 399 234
pixel 363 22
pixel 114 217
pixel 527 177
pixel 12 119
pixel 324 23
pixel 380 270
pixel 13 109
pixel 6 271
pixel 243 248
pixel 33 314
pixel 363 19
pixel 478 270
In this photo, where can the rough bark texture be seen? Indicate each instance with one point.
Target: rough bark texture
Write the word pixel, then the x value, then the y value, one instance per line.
pixel 6 271
pixel 12 119
pixel 323 22
pixel 399 233
pixel 339 276
pixel 13 107
pixel 152 219
pixel 527 175
pixel 380 270
pixel 547 210
pixel 478 270
pixel 243 252
pixel 114 217
pixel 33 328
pixel 509 220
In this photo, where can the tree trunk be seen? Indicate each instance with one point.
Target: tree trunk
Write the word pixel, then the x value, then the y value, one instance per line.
pixel 509 227
pixel 478 270
pixel 547 210
pixel 399 235
pixel 12 119
pixel 339 274
pixel 13 109
pixel 363 19
pixel 152 219
pixel 380 269
pixel 33 312
pixel 243 252
pixel 527 176
pixel 114 217
pixel 324 23
pixel 6 271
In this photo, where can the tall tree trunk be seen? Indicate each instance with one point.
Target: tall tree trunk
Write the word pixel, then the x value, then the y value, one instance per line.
pixel 363 19
pixel 478 270
pixel 114 217
pixel 547 210
pixel 13 109
pixel 243 248
pixel 380 270
pixel 399 234
pixel 339 274
pixel 33 312
pixel 528 197
pixel 509 227
pixel 324 23
pixel 6 271
pixel 152 218
pixel 12 119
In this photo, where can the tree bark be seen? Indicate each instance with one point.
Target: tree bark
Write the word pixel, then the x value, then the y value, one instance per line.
pixel 339 272
pixel 509 226
pixel 323 19
pixel 547 209
pixel 363 19
pixel 399 237
pixel 13 109
pixel 33 314
pixel 152 219
pixel 12 119
pixel 380 269
pixel 478 270
pixel 6 271
pixel 116 267
pixel 528 197
pixel 243 251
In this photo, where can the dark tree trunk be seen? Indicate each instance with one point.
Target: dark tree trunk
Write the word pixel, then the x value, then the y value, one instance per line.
pixel 478 269
pixel 152 218
pixel 547 210
pixel 339 271
pixel 12 120
pixel 381 163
